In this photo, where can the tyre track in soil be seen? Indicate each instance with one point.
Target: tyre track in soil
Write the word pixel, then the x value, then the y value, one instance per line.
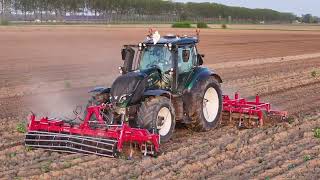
pixel 98 169
pixel 246 169
pixel 32 160
pixel 83 169
pixel 29 163
pixel 303 171
pixel 11 107
pixel 10 137
pixel 11 165
pixel 298 100
pixel 160 163
pixel 14 155
pixel 271 82
pixel 165 164
pixel 296 160
pixel 289 80
pixel 198 165
pixel 95 170
pixel 106 168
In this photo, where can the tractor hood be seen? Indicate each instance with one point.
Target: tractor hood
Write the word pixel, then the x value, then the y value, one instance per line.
pixel 129 88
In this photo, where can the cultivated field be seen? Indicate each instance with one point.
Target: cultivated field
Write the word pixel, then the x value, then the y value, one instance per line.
pixel 50 69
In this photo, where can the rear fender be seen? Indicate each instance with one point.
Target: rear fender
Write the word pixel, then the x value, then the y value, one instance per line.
pixel 199 74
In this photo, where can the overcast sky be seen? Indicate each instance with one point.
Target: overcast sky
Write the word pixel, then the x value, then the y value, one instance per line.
pixel 297 7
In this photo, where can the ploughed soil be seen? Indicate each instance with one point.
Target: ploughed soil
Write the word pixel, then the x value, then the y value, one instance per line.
pixel 49 70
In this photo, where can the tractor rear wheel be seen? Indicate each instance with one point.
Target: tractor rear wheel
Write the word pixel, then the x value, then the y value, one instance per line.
pixel 207 101
pixel 157 115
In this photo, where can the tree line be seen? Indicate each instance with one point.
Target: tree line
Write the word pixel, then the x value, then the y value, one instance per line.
pixel 308 18
pixel 185 11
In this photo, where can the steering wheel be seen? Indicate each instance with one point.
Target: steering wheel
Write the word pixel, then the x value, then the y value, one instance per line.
pixel 164 62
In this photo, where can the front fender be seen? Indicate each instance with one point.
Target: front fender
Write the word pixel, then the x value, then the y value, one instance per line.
pixel 100 90
pixel 157 92
pixel 201 73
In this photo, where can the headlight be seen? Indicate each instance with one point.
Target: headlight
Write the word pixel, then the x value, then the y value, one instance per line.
pixel 140 46
pixel 124 97
pixel 170 46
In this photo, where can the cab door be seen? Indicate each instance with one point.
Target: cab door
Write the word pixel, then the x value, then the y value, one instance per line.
pixel 187 59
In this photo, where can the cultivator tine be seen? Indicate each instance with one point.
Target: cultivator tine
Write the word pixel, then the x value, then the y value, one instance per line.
pixel 148 149
pixel 71 143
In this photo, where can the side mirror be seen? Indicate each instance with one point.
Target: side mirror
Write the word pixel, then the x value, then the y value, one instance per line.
pixel 200 60
pixel 127 54
pixel 185 55
pixel 123 54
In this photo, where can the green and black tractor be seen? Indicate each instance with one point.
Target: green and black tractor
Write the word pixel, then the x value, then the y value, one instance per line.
pixel 163 82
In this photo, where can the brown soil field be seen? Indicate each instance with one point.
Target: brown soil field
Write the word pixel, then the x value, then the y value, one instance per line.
pixel 49 70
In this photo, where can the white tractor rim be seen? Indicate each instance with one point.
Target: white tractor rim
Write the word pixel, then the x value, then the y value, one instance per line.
pixel 210 106
pixel 166 123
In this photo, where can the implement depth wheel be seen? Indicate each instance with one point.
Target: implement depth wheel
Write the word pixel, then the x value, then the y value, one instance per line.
pixel 207 101
pixel 157 115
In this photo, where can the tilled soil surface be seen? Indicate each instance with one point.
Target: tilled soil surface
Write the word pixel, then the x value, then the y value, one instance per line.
pixel 50 70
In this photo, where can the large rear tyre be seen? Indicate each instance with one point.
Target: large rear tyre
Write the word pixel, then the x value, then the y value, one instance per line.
pixel 207 101
pixel 157 115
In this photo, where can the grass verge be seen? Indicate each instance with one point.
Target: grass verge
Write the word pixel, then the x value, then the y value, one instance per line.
pixel 181 25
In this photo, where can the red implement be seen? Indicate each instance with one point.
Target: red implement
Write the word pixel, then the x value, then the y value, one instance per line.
pixel 106 140
pixel 250 109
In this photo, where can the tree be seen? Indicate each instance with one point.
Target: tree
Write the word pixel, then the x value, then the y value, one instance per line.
pixel 186 11
pixel 307 18
pixel 2 9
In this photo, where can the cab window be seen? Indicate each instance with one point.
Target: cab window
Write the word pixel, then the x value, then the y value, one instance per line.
pixel 156 56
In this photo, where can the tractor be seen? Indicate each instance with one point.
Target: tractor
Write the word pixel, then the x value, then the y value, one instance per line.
pixel 162 82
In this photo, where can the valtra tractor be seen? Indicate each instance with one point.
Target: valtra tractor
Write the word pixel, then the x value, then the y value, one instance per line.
pixel 162 82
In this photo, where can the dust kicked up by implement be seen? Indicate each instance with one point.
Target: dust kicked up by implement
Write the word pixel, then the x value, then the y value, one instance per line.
pixel 162 81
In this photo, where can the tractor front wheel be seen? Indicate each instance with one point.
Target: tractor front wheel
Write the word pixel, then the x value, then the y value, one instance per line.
pixel 157 115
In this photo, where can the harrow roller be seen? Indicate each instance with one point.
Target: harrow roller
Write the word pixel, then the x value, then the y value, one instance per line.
pixel 71 143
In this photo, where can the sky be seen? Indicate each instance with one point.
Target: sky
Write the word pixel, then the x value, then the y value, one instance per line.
pixel 297 7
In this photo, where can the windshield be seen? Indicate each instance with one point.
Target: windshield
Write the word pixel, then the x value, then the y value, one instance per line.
pixel 158 56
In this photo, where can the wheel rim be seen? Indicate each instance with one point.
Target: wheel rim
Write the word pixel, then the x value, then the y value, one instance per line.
pixel 164 121
pixel 210 106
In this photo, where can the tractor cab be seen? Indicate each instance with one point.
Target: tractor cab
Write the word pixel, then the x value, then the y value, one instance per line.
pixel 174 57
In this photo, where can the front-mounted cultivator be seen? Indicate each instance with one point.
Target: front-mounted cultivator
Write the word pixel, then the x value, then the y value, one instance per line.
pixel 101 139
pixel 162 81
